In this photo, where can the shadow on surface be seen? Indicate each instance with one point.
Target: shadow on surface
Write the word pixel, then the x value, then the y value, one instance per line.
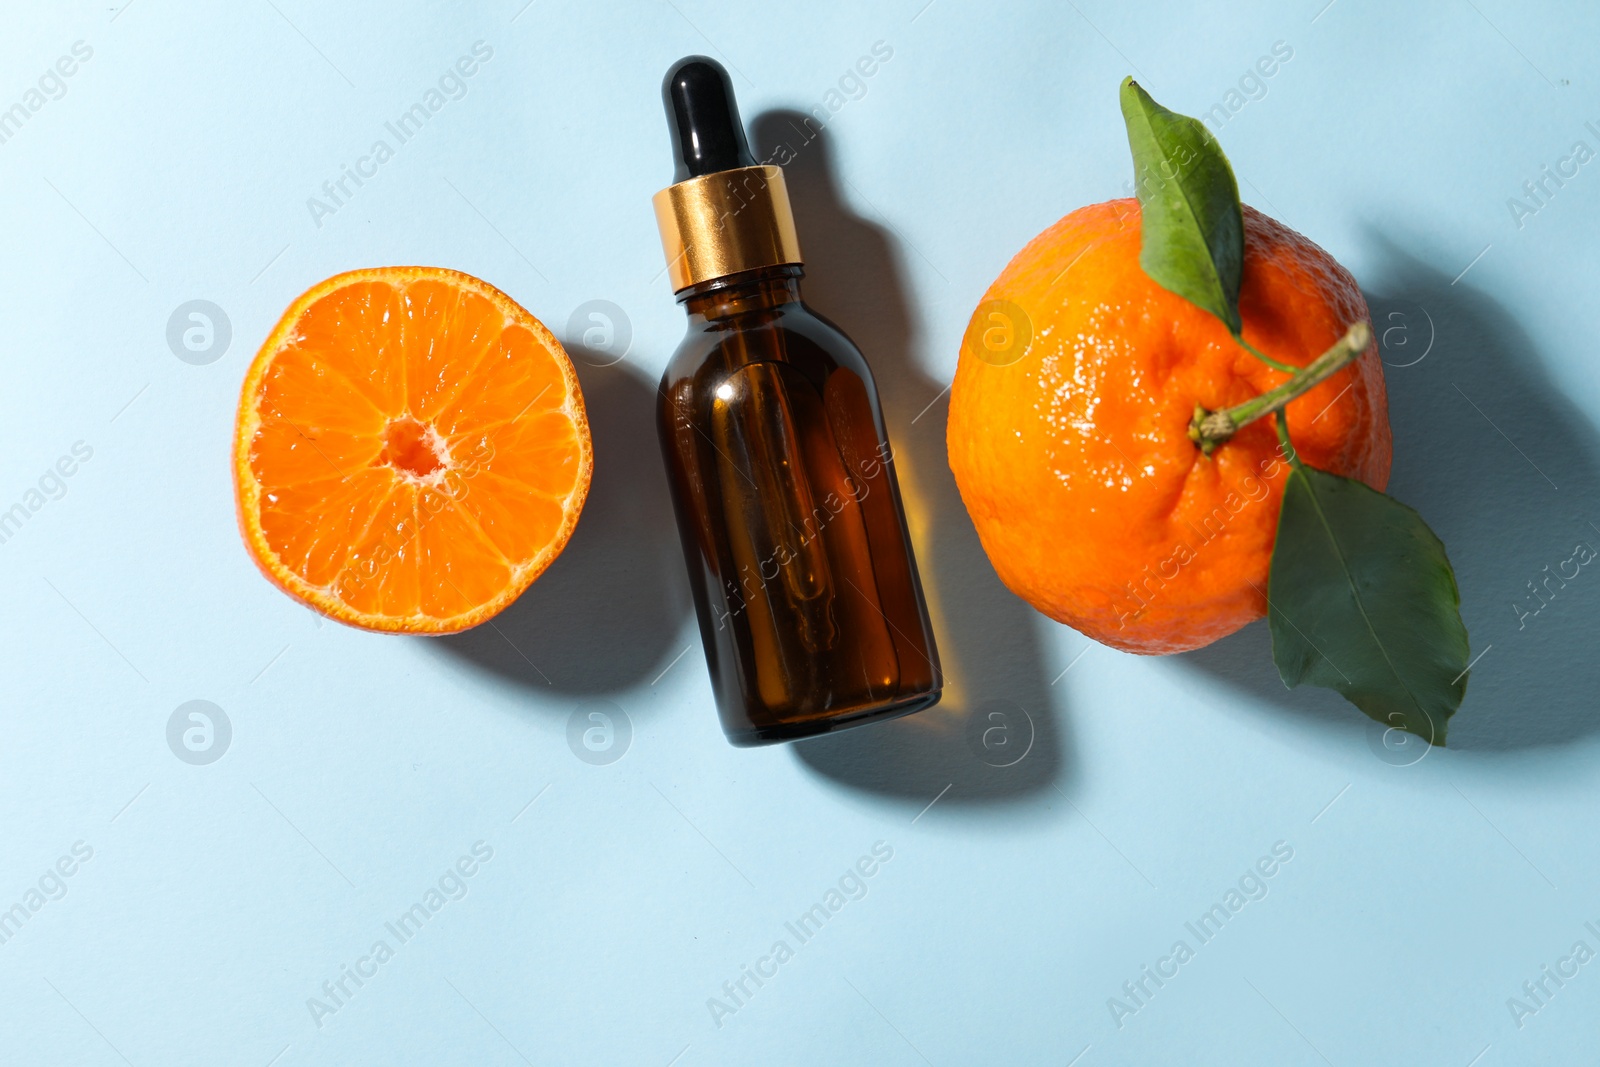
pixel 1506 471
pixel 988 639
pixel 609 611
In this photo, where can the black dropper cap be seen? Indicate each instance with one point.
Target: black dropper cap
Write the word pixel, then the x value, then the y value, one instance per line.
pixel 703 116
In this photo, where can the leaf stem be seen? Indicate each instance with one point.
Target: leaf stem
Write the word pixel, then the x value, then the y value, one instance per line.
pixel 1282 423
pixel 1287 368
pixel 1208 429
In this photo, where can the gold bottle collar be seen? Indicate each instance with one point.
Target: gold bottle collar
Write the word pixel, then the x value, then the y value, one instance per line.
pixel 727 222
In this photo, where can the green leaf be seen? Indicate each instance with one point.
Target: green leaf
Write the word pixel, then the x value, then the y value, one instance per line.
pixel 1192 240
pixel 1363 600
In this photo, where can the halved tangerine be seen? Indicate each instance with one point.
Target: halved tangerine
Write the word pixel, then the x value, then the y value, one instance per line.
pixel 411 450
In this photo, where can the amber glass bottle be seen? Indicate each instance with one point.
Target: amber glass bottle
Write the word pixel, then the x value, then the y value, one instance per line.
pixel 782 477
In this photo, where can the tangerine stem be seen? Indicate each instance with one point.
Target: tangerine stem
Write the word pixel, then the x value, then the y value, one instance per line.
pixel 1282 423
pixel 1208 429
pixel 1287 368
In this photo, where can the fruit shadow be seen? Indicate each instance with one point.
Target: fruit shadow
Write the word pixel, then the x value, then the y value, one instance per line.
pixel 1506 470
pixel 988 639
pixel 610 612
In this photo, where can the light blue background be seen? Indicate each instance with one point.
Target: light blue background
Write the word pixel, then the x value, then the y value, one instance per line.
pixel 219 898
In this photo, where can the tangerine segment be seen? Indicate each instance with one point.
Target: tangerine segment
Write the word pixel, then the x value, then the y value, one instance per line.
pixel 1074 461
pixel 411 450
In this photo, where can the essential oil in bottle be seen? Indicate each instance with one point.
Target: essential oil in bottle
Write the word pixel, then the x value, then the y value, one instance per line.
pixel 782 477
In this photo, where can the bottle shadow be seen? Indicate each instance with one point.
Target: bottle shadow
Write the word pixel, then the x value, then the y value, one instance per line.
pixel 610 611
pixel 1506 470
pixel 994 736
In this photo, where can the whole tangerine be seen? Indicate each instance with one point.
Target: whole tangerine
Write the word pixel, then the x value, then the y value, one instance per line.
pixel 1069 427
